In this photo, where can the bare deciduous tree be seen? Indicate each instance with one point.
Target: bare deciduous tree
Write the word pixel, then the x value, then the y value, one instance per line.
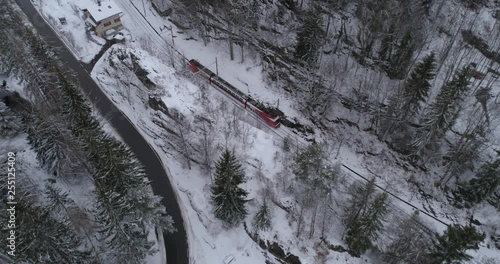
pixel 410 241
pixel 207 142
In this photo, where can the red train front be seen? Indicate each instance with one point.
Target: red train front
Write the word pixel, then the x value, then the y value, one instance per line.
pixel 247 101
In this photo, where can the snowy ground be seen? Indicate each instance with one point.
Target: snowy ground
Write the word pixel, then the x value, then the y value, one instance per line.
pixel 209 242
pixel 84 45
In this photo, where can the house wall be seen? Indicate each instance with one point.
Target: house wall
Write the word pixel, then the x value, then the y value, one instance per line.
pixel 107 24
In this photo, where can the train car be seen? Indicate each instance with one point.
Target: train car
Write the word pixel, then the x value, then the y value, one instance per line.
pixel 247 101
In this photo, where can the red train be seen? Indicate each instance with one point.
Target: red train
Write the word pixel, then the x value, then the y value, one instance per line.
pixel 265 113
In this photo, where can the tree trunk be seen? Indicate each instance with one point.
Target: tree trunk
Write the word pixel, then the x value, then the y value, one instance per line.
pixel 313 221
pixel 186 151
pixel 327 28
pixel 242 54
pixel 299 222
pixel 231 43
pixel 340 145
pixel 184 130
pixel 323 225
pixel 206 152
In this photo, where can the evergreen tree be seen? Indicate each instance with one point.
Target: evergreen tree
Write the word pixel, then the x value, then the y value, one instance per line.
pixel 262 220
pixel 123 233
pixel 286 144
pixel 10 124
pixel 309 37
pixel 227 197
pixel 75 107
pixel 387 45
pixel 58 204
pixel 311 168
pixel 443 112
pixel 361 195
pixel 484 184
pixel 51 143
pixel 116 166
pixel 417 87
pixel 242 12
pixel 126 207
pixel 316 180
pixel 364 230
pixel 451 246
pixel 41 238
pixel 58 199
pixel 405 106
pixel 255 10
pixel 149 209
pixel 426 5
pixel 399 62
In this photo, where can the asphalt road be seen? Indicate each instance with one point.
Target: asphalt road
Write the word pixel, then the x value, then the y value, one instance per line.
pixel 176 243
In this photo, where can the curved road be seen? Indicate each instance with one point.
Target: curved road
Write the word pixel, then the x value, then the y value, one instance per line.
pixel 176 243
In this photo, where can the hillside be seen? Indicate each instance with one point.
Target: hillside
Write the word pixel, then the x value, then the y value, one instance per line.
pixel 388 147
pixel 343 64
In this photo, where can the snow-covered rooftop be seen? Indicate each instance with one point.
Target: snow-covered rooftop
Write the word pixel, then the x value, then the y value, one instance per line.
pixel 107 9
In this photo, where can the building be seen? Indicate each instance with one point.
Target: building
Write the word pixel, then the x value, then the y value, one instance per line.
pixel 163 7
pixel 103 16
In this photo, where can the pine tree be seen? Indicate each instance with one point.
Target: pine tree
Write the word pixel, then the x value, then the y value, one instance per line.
pixel 41 238
pixel 51 143
pixel 417 87
pixel 58 199
pixel 451 246
pixel 484 184
pixel 116 166
pixel 10 124
pixel 364 230
pixel 355 239
pixel 75 107
pixel 262 220
pixel 309 37
pixel 387 45
pixel 443 112
pixel 311 168
pixel 286 144
pixel 123 233
pixel 59 204
pixel 126 207
pixel 426 5
pixel 358 204
pixel 373 219
pixel 405 106
pixel 255 10
pixel 227 197
pixel 399 62
pixel 149 209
